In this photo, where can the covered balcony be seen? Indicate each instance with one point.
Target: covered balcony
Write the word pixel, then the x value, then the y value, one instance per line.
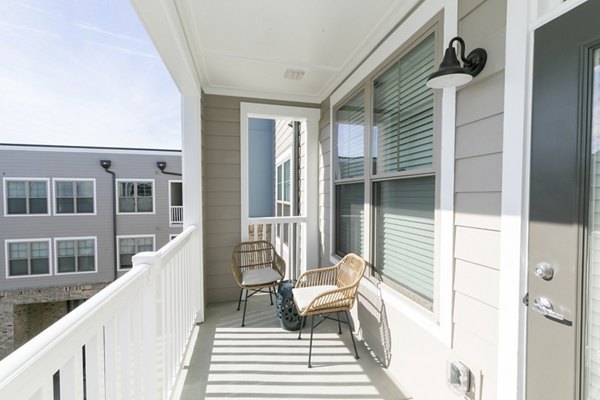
pixel 433 195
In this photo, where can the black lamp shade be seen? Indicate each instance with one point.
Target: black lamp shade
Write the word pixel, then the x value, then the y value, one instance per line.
pixel 451 73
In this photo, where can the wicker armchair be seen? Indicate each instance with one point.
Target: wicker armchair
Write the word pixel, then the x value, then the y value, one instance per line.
pixel 329 290
pixel 256 266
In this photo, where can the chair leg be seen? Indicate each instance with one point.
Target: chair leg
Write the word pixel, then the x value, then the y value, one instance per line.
pixel 339 323
pixel 312 328
pixel 245 304
pixel 271 295
pixel 240 299
pixel 302 321
pixel 352 335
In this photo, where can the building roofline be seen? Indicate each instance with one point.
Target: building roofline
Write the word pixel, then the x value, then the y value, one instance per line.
pixel 95 149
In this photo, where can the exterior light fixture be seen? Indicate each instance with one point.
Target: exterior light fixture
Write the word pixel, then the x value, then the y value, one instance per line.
pixel 451 73
pixel 105 164
pixel 162 165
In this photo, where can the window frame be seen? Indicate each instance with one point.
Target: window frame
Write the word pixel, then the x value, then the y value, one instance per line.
pixel 118 244
pixel 370 180
pixel 55 181
pixel 76 240
pixel 27 180
pixel 7 244
pixel 136 197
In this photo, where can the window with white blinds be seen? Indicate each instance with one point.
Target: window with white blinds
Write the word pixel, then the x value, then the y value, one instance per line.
pixel 404 233
pixel 396 183
pixel 350 218
pixel 403 113
pixel 350 129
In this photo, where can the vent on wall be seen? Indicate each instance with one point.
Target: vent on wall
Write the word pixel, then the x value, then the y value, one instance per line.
pixel 293 74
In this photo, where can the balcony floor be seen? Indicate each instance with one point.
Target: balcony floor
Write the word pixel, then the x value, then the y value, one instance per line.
pixel 262 361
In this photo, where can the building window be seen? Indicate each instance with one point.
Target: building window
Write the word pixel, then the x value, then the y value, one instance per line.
pixel 74 196
pixel 136 196
pixel 26 258
pixel 396 182
pixel 26 196
pixel 175 203
pixel 75 255
pixel 129 246
pixel 283 201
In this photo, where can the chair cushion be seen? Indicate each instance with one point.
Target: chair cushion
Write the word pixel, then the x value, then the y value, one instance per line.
pixel 259 276
pixel 303 296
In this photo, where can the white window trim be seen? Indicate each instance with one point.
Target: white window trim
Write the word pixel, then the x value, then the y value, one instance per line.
pixel 54 194
pixel 119 237
pixel 137 181
pixel 438 323
pixel 171 181
pixel 60 239
pixel 28 240
pixel 19 179
pixel 282 159
pixel 309 173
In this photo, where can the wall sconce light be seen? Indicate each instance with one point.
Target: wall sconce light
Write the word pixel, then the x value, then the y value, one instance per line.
pixel 450 73
pixel 162 165
pixel 105 164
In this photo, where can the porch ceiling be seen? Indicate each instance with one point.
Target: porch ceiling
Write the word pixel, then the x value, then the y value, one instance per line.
pixel 244 48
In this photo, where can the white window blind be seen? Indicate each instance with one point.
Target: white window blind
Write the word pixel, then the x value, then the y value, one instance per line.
pixel 350 128
pixel 404 233
pixel 350 200
pixel 403 113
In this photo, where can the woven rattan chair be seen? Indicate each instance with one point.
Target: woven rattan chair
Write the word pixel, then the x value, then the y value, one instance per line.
pixel 256 266
pixel 329 290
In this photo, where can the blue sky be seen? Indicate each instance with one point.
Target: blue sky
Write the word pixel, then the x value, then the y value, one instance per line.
pixel 83 72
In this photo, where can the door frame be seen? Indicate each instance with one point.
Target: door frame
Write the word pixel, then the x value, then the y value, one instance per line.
pixel 523 19
pixel 310 174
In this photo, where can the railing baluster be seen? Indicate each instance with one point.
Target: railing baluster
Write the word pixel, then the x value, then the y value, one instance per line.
pixel 94 367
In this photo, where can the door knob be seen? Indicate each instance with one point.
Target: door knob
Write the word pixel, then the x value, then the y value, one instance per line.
pixel 544 270
pixel 544 306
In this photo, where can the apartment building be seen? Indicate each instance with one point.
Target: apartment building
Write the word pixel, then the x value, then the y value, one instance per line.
pixel 71 218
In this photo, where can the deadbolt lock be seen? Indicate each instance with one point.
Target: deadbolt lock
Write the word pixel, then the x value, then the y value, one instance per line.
pixel 543 270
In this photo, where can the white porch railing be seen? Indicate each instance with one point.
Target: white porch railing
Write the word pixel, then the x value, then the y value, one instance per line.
pixel 286 234
pixel 175 215
pixel 126 342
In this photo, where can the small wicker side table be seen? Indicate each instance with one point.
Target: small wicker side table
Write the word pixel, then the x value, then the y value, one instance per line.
pixel 286 309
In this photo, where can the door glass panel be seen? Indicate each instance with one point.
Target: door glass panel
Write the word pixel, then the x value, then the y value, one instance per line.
pixel 592 339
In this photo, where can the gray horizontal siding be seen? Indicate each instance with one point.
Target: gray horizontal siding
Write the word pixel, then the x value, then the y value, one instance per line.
pixel 478 185
pixel 36 162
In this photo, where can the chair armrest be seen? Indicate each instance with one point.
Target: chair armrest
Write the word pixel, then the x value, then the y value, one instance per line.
pixel 332 300
pixel 279 264
pixel 237 273
pixel 316 277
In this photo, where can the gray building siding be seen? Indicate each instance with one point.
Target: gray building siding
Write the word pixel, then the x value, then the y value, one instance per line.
pixel 39 162
pixel 478 183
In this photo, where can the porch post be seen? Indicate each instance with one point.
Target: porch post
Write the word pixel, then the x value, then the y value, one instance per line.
pixel 512 285
pixel 192 183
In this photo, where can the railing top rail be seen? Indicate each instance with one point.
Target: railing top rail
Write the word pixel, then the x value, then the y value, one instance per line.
pixel 174 245
pixel 277 220
pixel 45 346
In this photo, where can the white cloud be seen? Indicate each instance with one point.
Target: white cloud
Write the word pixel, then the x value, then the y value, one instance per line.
pixel 87 79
